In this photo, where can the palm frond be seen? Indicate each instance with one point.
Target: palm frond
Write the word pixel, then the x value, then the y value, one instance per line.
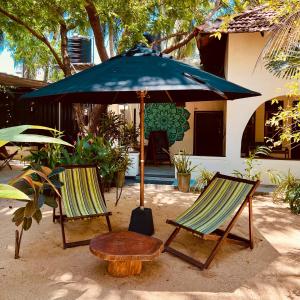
pixel 282 52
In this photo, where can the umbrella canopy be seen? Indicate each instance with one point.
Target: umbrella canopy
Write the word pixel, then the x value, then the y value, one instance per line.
pixel 141 69
pixel 141 75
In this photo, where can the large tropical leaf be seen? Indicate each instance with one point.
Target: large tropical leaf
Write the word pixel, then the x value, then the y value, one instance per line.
pixel 33 138
pixel 37 216
pixel 21 128
pixel 32 183
pixel 27 223
pixel 18 216
pixel 9 192
pixel 51 201
pixel 15 134
pixel 56 171
pixel 23 176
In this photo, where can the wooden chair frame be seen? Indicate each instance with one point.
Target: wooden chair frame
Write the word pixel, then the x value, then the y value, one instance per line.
pixel 218 235
pixel 6 158
pixel 63 218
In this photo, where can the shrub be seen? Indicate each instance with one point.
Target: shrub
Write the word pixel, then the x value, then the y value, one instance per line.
pixel 287 190
pixel 203 179
pixel 182 163
pixel 250 171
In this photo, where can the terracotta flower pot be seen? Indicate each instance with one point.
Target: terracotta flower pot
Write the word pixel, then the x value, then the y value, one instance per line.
pixel 183 182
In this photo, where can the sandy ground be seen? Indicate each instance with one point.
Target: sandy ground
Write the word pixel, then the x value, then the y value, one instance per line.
pixel 46 271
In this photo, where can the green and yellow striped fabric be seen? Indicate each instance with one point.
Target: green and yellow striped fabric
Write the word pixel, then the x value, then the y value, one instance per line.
pixel 80 193
pixel 215 205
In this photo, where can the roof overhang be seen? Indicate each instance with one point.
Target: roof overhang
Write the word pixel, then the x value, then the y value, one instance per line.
pixel 20 82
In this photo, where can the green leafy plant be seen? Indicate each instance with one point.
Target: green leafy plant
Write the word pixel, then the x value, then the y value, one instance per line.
pixel 111 126
pixel 250 171
pixel 29 187
pixel 93 150
pixel 122 158
pixel 34 183
pixel 49 155
pixel 287 190
pixel 203 179
pixel 131 134
pixel 182 163
pixel 16 134
pixel 286 121
pixel 115 129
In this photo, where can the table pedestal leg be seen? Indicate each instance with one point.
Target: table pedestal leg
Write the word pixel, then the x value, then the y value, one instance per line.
pixel 124 268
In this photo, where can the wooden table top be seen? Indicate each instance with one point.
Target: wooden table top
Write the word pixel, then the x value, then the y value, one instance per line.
pixel 126 245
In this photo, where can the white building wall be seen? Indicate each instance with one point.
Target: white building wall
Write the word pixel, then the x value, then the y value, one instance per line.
pixel 243 68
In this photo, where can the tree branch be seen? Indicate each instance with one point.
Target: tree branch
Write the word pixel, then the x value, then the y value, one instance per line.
pixel 213 11
pixel 180 44
pixel 97 29
pixel 35 34
pixel 169 37
pixel 193 33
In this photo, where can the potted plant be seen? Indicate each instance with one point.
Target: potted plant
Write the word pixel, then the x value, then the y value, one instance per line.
pixel 184 169
pixel 122 163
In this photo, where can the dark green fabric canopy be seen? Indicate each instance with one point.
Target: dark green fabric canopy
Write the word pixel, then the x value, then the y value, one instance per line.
pixel 141 69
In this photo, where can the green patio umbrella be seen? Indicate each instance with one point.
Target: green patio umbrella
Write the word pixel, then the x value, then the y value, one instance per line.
pixel 141 69
pixel 141 75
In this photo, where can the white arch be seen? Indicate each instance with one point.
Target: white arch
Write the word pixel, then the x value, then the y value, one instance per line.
pixel 282 97
pixel 237 116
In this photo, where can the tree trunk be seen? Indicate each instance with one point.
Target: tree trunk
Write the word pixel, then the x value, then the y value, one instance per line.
pixel 97 29
pixel 95 118
pixel 98 109
pixel 111 39
pixel 46 73
pixel 64 50
pixel 79 115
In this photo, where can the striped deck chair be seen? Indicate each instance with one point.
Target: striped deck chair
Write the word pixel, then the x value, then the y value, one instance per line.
pixel 223 197
pixel 81 198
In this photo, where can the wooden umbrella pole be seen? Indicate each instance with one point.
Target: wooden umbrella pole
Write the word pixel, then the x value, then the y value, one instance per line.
pixel 142 95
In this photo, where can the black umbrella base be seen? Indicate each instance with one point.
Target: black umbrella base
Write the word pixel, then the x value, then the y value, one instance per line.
pixel 141 221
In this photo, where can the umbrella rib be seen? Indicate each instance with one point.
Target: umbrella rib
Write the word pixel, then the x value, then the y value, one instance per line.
pixel 213 89
pixel 169 96
pixel 115 97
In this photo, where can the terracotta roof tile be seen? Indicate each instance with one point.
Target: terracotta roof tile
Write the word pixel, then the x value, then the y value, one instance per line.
pixel 253 20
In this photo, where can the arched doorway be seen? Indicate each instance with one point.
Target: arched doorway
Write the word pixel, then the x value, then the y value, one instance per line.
pixel 257 132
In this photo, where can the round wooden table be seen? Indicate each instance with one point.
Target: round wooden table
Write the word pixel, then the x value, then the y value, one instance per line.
pixel 125 251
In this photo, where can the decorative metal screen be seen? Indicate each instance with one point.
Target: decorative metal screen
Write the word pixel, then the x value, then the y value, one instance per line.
pixel 168 117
